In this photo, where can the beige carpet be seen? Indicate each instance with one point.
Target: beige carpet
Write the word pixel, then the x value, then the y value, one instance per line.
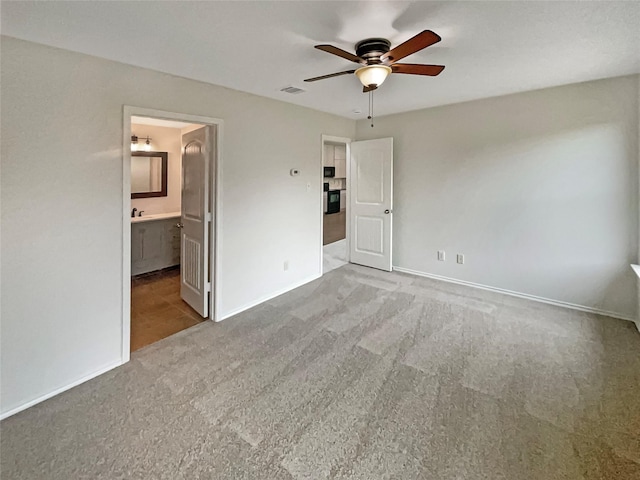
pixel 360 375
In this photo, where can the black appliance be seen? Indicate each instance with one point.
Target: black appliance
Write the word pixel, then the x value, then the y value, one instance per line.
pixel 329 171
pixel 326 186
pixel 333 201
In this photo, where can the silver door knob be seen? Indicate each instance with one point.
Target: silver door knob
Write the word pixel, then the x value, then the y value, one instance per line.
pixel 387 211
pixel 179 225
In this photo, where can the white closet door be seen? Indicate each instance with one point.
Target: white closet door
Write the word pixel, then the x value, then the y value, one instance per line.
pixel 370 212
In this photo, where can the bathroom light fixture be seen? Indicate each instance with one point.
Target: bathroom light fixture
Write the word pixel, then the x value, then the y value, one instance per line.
pixel 373 74
pixel 135 147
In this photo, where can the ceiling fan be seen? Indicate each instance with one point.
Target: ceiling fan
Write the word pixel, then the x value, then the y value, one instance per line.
pixel 378 60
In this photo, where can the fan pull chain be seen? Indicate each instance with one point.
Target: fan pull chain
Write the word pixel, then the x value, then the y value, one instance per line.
pixel 370 117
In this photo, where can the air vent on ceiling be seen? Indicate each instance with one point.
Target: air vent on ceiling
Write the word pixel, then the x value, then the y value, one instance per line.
pixel 292 90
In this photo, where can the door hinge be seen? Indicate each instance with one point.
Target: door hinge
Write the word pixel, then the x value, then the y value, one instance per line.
pixel 207 287
pixel 208 217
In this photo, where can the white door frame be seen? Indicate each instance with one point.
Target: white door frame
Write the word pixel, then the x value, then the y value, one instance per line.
pixel 347 142
pixel 216 197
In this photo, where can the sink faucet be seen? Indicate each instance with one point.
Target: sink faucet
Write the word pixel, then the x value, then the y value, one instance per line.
pixel 140 213
pixel 133 212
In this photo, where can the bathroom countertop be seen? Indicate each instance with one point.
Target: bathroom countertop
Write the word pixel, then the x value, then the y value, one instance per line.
pixel 156 216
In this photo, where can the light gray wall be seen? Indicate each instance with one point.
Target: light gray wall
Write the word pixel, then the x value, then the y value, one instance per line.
pixel 62 205
pixel 539 190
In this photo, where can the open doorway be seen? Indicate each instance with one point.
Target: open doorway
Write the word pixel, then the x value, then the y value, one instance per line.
pixel 170 179
pixel 335 242
pixel 157 307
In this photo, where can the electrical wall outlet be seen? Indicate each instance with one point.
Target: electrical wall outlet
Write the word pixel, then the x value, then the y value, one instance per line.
pixel 441 255
pixel 460 258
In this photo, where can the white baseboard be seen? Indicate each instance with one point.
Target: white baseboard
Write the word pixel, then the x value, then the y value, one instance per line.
pixel 57 391
pixel 557 303
pixel 268 297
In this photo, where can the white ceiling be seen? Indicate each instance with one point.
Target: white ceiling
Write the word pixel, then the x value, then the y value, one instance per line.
pixel 159 122
pixel 489 48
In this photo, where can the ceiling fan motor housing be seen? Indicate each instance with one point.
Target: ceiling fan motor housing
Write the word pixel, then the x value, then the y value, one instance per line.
pixel 372 49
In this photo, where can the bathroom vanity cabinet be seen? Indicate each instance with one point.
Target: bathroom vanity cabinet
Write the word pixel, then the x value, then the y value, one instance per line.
pixel 155 244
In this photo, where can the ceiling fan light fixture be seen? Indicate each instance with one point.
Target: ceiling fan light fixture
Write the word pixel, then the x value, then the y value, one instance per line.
pixel 373 74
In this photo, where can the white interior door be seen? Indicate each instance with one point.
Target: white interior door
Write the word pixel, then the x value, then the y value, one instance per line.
pixel 194 238
pixel 371 185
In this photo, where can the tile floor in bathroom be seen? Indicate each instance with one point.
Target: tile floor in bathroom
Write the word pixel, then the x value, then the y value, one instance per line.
pixel 157 311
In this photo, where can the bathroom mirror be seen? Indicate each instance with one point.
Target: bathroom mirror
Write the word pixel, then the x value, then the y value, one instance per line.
pixel 148 174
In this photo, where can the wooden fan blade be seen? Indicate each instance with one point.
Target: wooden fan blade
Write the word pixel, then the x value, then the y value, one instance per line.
pixel 417 69
pixel 329 76
pixel 422 40
pixel 339 52
pixel 369 88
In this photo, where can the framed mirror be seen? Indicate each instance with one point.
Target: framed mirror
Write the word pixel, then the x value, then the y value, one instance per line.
pixel 148 174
